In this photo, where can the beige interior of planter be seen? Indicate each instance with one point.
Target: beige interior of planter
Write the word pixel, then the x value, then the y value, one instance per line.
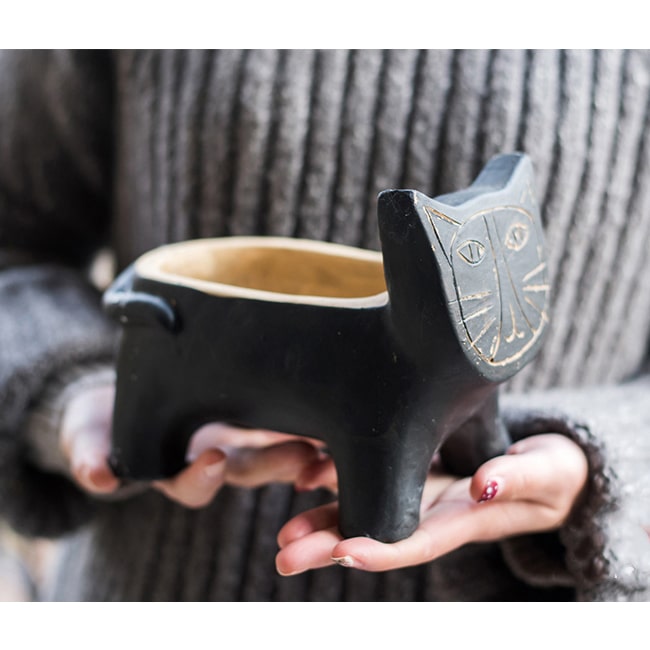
pixel 295 268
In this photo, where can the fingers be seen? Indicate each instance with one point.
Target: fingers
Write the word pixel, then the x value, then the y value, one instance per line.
pixel 91 471
pixel 307 523
pixel 549 470
pixel 281 463
pixel 452 525
pixel 268 457
pixel 217 454
pixel 531 489
pixel 318 474
pixel 323 547
pixel 85 439
pixel 224 436
pixel 197 484
pixel 309 539
pixel 312 552
pixel 258 456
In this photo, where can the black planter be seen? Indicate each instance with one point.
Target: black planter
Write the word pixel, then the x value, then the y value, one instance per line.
pixel 387 363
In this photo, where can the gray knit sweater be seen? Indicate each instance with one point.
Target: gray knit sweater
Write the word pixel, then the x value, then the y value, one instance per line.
pixel 133 150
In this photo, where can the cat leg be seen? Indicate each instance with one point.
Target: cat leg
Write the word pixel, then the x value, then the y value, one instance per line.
pixel 381 479
pixel 482 437
pixel 150 434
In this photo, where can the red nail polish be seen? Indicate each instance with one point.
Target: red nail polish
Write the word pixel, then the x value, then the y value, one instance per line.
pixel 489 491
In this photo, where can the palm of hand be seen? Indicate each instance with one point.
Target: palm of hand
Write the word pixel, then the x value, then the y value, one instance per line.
pixel 538 483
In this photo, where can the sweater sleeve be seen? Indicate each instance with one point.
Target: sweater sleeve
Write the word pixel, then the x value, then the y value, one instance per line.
pixel 603 550
pixel 55 159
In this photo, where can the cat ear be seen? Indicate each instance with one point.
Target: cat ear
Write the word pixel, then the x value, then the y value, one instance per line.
pixel 444 227
pixel 398 210
pixel 506 180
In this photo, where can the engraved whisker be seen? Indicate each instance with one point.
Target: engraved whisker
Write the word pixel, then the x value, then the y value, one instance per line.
pixel 475 296
pixel 476 339
pixel 533 305
pixel 534 272
pixel 478 313
pixel 536 287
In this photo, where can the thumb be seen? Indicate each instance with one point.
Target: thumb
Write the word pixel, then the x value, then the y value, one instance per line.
pixel 547 469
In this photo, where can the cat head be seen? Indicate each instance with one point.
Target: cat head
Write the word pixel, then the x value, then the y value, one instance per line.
pixel 488 245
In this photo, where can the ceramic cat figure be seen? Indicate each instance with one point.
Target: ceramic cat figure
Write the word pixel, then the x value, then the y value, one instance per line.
pixel 386 357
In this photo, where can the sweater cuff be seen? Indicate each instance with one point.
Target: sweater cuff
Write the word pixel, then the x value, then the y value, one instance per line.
pixel 602 550
pixel 43 424
pixel 51 322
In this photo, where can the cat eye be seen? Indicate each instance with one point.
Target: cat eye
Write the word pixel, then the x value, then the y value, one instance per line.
pixel 517 236
pixel 472 252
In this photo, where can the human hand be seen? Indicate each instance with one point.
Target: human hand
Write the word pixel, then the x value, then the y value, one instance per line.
pixel 217 454
pixel 532 488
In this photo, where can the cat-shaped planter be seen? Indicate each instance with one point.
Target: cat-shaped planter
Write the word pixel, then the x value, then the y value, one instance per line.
pixel 387 357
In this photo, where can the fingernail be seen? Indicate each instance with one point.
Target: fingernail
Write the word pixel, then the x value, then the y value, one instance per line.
pixel 288 574
pixel 101 477
pixel 345 561
pixel 96 478
pixel 489 491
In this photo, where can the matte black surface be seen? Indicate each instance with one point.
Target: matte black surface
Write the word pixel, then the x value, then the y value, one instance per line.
pixel 385 387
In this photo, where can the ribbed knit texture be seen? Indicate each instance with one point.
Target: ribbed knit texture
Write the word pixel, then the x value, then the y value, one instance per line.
pixel 299 143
